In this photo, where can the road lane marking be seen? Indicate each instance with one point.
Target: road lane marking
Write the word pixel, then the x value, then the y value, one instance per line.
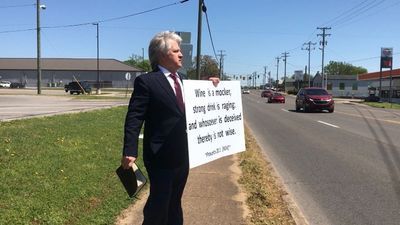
pixel 285 110
pixel 328 124
pixel 369 117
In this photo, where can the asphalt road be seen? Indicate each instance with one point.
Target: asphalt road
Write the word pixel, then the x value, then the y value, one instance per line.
pixel 339 168
pixel 18 104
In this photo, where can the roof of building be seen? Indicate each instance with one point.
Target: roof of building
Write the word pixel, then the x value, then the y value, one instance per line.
pixel 376 75
pixel 65 64
pixel 342 77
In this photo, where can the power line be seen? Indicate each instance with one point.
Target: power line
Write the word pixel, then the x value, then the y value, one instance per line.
pixel 99 21
pixel 345 13
pixel 359 12
pixel 204 9
pixel 16 6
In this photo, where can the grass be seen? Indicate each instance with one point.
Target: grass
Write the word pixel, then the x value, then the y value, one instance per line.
pixel 383 105
pixel 264 195
pixel 61 169
pixel 100 97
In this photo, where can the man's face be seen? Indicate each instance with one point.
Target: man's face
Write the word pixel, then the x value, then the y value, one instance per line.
pixel 173 59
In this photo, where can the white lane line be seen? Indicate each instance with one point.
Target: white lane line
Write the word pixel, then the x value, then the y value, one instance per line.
pixel 328 124
pixel 285 110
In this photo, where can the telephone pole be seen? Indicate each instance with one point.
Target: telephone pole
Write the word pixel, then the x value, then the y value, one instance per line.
pixel 221 64
pixel 308 48
pixel 323 43
pixel 199 21
pixel 284 55
pixel 277 72
pixel 265 76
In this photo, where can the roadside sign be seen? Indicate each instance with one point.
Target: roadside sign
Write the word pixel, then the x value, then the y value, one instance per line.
pixel 128 76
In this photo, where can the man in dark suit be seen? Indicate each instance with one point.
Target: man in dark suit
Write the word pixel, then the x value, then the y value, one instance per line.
pixel 158 101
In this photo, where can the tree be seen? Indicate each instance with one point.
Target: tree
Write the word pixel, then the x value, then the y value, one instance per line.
pixel 208 67
pixel 138 62
pixel 342 68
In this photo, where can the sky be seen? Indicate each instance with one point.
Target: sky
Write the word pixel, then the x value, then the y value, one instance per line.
pixel 251 34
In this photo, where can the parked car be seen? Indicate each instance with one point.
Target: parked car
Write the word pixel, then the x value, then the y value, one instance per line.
pixel 266 93
pixel 17 85
pixel 276 97
pixel 312 99
pixel 78 87
pixel 246 92
pixel 5 84
pixel 372 98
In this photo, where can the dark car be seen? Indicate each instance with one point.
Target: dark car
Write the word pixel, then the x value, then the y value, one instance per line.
pixel 276 97
pixel 312 99
pixel 17 85
pixel 78 87
pixel 266 93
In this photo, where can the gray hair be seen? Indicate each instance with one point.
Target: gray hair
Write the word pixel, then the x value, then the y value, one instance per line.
pixel 160 44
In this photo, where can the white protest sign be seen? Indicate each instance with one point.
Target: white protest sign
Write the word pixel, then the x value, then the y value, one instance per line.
pixel 214 118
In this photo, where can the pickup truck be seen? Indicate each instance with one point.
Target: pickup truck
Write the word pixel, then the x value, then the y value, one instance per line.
pixel 78 87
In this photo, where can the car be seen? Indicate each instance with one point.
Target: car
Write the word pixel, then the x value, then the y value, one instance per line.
pixel 17 85
pixel 276 97
pixel 78 87
pixel 5 84
pixel 313 99
pixel 246 92
pixel 266 93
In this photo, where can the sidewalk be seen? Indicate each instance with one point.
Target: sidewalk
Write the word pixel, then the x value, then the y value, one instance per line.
pixel 212 196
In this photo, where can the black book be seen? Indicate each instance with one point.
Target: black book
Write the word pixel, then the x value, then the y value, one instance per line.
pixel 132 179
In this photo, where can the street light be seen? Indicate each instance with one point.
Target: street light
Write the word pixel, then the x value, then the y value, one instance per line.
pixel 98 69
pixel 39 70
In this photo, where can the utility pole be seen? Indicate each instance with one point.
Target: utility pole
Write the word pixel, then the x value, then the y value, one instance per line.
pixel 285 55
pixel 98 60
pixel 254 79
pixel 308 48
pixel 323 43
pixel 265 77
pixel 38 62
pixel 199 19
pixel 221 64
pixel 277 72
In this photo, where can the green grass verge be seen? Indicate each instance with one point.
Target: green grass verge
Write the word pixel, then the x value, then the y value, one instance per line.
pixel 383 105
pixel 264 194
pixel 61 169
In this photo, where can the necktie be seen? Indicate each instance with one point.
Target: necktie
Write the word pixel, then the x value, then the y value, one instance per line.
pixel 178 92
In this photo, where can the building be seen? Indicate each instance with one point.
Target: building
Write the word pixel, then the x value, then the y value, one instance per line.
pixel 343 85
pixel 187 51
pixel 390 82
pixel 57 71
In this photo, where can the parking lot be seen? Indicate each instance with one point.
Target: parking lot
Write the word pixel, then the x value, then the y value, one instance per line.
pixel 25 103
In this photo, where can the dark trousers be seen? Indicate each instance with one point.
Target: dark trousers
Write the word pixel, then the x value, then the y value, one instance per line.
pixel 163 207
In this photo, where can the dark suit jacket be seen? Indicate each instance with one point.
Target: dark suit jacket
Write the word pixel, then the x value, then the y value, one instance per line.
pixel 165 140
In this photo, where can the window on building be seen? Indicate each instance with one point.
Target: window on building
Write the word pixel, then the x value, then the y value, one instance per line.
pixel 385 94
pixel 355 87
pixel 341 86
pixel 329 86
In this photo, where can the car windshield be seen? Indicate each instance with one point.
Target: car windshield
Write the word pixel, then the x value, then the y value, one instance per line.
pixel 316 92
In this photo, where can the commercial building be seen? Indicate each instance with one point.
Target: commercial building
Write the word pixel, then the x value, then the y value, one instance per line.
pixel 57 71
pixel 388 81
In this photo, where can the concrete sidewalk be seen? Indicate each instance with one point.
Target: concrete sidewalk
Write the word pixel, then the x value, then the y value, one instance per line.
pixel 212 196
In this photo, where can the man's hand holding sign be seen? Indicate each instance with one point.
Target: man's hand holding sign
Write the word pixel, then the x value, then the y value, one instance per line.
pixel 214 120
